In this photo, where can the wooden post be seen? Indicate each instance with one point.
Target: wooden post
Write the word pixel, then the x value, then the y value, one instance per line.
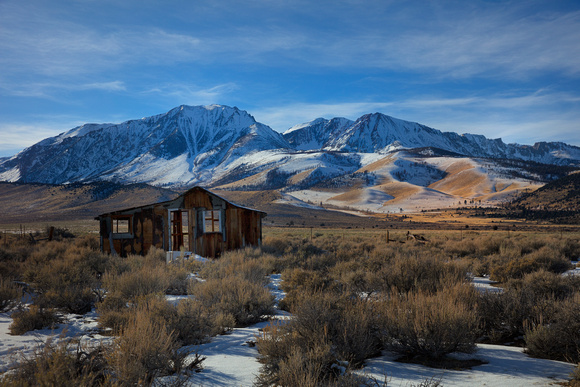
pixel 50 233
pixel 387 236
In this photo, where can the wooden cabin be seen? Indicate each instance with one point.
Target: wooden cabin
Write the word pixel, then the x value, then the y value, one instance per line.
pixel 196 222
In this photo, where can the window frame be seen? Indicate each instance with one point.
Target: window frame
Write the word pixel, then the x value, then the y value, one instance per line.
pixel 213 220
pixel 115 226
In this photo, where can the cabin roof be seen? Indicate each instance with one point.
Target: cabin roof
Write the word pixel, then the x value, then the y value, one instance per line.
pixel 196 188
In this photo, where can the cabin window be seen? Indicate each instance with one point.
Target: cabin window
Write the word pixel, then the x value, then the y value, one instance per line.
pixel 212 221
pixel 121 225
pixel 179 229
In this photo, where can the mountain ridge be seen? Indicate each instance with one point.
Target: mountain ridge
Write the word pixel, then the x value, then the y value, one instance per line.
pixel 375 162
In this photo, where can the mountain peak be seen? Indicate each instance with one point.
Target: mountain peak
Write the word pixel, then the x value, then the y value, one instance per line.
pixel 204 144
pixel 193 139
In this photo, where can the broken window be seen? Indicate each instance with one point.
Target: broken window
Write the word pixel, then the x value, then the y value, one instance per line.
pixel 212 221
pixel 121 224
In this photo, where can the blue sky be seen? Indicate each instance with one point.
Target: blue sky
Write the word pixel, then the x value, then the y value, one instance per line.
pixel 508 69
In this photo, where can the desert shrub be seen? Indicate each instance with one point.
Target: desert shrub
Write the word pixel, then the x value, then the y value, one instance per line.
pixel 575 375
pixel 132 284
pixel 144 350
pixel 487 245
pixel 557 337
pixel 178 280
pixel 545 284
pixel 189 320
pixel 356 278
pixel 528 301
pixel 13 256
pixel 34 318
pixel 67 363
pixel 570 248
pixel 67 285
pixel 250 264
pixel 418 270
pixel 292 360
pixel 327 329
pixel 247 302
pixel 65 274
pixel 10 294
pixel 462 248
pixel 194 323
pixel 71 299
pixel 544 258
pixel 137 276
pixel 287 360
pixel 298 282
pixel 275 245
pixel 350 324
pixel 89 242
pixel 429 325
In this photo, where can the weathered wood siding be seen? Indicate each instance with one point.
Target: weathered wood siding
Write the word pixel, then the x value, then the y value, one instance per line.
pixel 240 226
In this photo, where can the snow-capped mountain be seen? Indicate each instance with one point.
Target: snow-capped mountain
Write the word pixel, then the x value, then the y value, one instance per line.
pixel 316 135
pixel 375 162
pixel 177 148
pixel 379 133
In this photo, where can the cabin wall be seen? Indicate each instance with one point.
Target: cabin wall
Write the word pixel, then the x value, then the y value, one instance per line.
pixel 150 226
pixel 146 230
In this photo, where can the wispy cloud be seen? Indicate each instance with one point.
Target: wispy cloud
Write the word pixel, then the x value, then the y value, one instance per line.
pixel 106 86
pixel 520 118
pixel 15 137
pixel 480 40
pixel 193 94
pixel 49 90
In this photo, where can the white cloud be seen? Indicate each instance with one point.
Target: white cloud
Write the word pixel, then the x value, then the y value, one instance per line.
pixel 193 94
pixel 49 90
pixel 15 137
pixel 524 118
pixel 106 86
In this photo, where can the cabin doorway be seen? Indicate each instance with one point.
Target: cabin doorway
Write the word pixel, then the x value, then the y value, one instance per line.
pixel 180 230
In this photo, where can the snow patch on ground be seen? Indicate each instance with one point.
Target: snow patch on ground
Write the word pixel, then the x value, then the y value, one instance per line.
pixel 506 366
pixel 73 326
pixel 231 360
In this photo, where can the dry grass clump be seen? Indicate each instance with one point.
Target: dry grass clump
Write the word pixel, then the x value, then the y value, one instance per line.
pixel 526 302
pixel 144 350
pixel 67 363
pixel 558 336
pixel 10 294
pixel 189 320
pixel 429 326
pixel 545 258
pixel 406 268
pixel 65 274
pixel 299 282
pixel 328 335
pixel 246 302
pixel 137 276
pixel 34 318
pixel 249 263
pixel 575 375
pixel 130 285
